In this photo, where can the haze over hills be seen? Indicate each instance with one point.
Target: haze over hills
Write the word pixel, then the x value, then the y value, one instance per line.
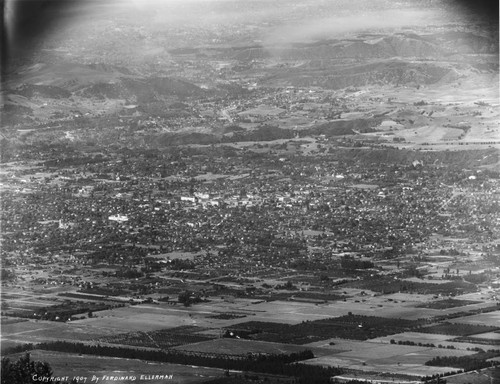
pixel 108 59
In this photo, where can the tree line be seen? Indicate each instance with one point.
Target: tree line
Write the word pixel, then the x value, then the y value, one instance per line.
pixel 278 364
pixel 467 363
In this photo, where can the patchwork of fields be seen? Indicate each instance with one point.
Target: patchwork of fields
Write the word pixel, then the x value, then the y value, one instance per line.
pixel 199 329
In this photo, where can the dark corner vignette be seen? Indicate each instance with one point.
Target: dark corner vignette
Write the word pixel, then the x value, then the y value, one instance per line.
pixel 25 24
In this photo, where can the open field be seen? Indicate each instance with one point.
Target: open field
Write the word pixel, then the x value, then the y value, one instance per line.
pixel 428 134
pixel 165 338
pixel 371 356
pixel 297 312
pixel 490 318
pixel 34 331
pixel 27 302
pixel 242 347
pixel 447 303
pixel 155 317
pixel 431 338
pixel 487 335
pixel 64 364
pixel 28 326
pixel 398 305
pixel 262 110
pixel 458 329
pixel 177 255
pixel 142 318
pixel 292 312
pixel 483 376
pixel 417 337
pixel 152 317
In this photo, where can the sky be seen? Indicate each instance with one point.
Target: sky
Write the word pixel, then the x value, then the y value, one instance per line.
pixel 27 22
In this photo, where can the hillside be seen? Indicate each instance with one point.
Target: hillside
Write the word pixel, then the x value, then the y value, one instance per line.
pixel 187 83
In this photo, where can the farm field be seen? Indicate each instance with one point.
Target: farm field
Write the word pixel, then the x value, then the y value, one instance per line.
pixel 444 340
pixel 335 344
pixel 26 327
pixel 428 133
pixel 376 351
pixel 490 318
pixel 458 329
pixel 399 305
pixel 262 110
pixel 36 331
pixel 415 337
pixel 431 338
pixel 64 364
pixel 242 347
pixel 21 300
pixel 153 317
pixel 177 255
pixel 165 338
pixel 371 356
pixel 449 303
pixel 293 312
pixel 484 376
pixel 487 335
pixel 142 318
pixel 298 312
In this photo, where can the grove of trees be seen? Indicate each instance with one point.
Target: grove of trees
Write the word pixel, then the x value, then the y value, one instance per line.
pixel 23 370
